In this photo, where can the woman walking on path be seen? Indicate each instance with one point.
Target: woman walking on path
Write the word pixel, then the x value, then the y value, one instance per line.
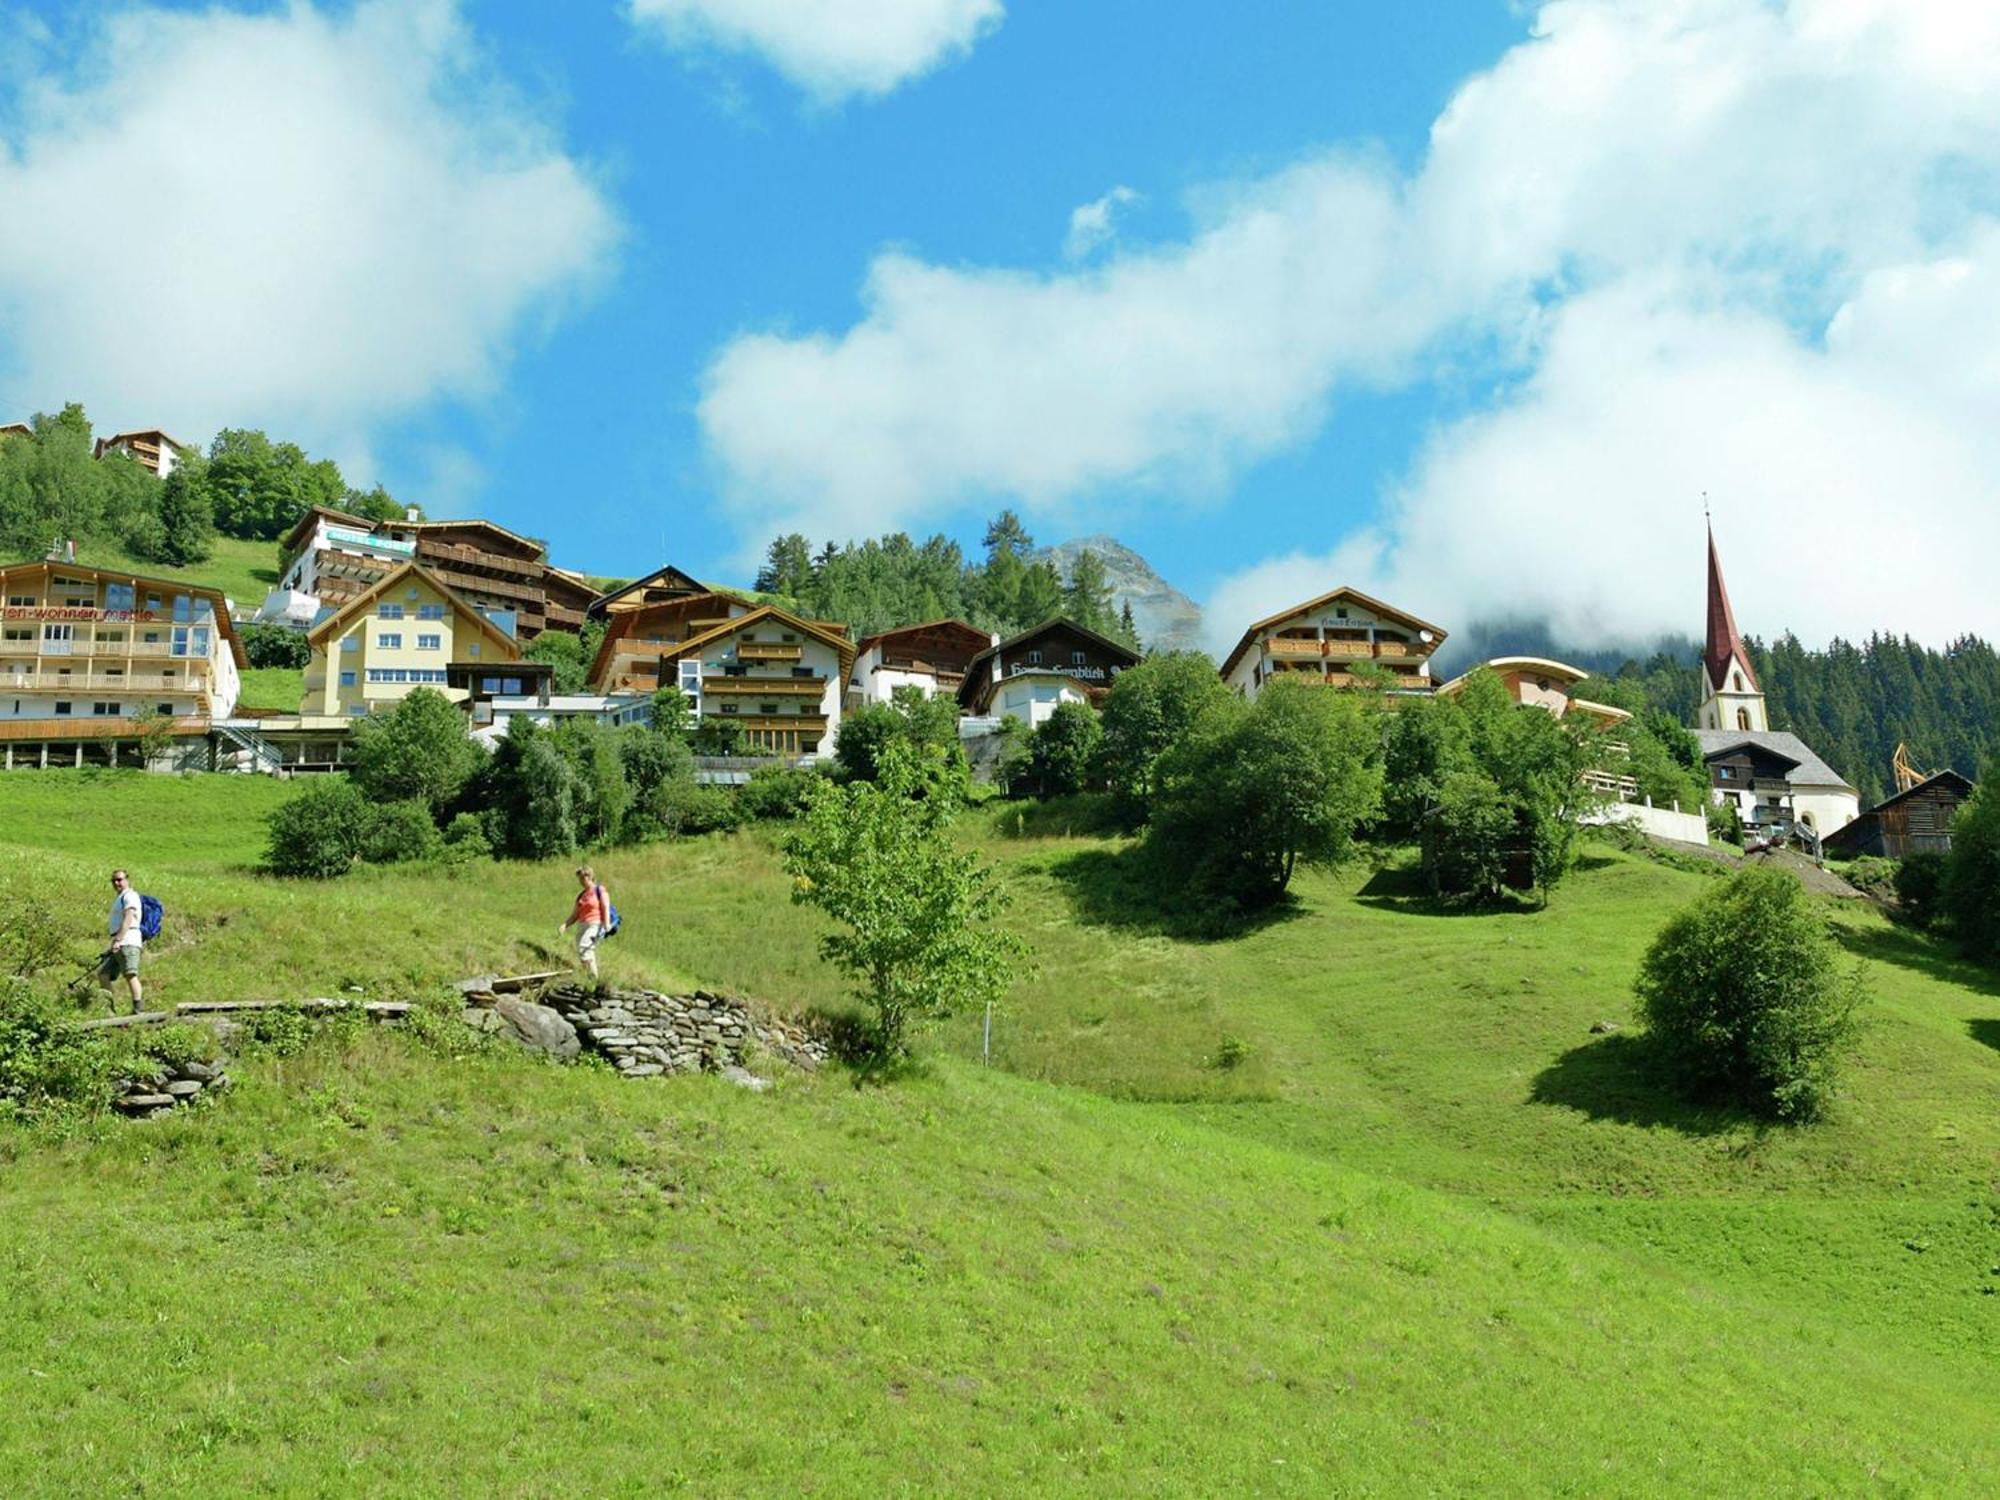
pixel 591 912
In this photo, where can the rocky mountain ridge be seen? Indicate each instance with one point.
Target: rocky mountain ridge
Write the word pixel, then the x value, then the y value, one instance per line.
pixel 1168 620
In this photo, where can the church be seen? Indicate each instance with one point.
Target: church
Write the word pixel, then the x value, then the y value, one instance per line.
pixel 1774 778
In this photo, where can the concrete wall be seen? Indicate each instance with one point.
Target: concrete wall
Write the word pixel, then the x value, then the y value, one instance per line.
pixel 1658 822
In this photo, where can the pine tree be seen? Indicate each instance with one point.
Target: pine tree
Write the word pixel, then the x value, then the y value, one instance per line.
pixel 1086 599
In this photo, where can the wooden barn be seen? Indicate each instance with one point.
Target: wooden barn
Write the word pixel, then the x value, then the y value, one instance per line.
pixel 1911 822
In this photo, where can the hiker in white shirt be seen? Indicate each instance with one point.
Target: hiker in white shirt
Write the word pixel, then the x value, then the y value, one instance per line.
pixel 121 959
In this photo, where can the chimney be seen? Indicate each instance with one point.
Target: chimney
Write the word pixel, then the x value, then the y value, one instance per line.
pixel 411 513
pixel 69 550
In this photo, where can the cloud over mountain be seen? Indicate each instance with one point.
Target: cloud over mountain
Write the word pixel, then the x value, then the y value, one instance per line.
pixel 1665 247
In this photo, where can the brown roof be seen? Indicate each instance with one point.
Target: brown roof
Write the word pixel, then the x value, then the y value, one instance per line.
pixel 627 622
pixel 984 638
pixel 339 617
pixel 313 512
pixel 1438 632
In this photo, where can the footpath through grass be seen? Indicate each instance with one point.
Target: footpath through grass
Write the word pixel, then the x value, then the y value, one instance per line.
pixel 1427 1233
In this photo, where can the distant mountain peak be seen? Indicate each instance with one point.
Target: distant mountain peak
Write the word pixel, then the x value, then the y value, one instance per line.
pixel 1167 619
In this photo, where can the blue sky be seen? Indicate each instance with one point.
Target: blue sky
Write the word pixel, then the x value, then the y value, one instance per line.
pixel 749 206
pixel 1463 303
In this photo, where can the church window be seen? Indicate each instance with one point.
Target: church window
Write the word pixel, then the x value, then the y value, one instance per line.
pixel 1739 687
pixel 1742 718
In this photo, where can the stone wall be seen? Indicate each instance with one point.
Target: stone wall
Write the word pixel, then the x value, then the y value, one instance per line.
pixel 645 1033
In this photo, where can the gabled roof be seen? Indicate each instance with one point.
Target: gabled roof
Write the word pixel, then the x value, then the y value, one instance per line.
pixel 323 512
pixel 340 618
pixel 627 622
pixel 116 438
pixel 984 638
pixel 474 523
pixel 1057 622
pixel 667 577
pixel 1963 785
pixel 1438 632
pixel 1807 768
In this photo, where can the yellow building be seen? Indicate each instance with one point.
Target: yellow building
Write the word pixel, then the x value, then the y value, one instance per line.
pixel 404 632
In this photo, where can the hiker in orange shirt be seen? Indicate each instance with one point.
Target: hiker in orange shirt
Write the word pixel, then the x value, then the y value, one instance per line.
pixel 589 918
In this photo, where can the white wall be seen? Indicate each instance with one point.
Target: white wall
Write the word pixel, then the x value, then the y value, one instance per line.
pixel 1033 699
pixel 1659 822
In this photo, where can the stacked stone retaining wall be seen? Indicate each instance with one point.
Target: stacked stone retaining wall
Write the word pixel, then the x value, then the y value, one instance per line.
pixel 645 1033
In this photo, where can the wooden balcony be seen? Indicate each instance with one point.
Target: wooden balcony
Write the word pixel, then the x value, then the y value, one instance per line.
pixel 770 651
pixel 1286 648
pixel 563 618
pixel 96 682
pixel 89 727
pixel 474 584
pixel 479 561
pixel 764 687
pixel 769 721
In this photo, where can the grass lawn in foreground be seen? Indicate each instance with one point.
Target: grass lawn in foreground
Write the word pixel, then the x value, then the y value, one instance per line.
pixel 1429 1234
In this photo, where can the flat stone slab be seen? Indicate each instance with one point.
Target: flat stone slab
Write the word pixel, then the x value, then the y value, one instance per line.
pixel 142 1104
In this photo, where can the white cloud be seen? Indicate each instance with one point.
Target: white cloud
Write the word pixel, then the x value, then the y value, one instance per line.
pixel 1579 499
pixel 833 49
pixel 1645 196
pixel 1093 225
pixel 315 222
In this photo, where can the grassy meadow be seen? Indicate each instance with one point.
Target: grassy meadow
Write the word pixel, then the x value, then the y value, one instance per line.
pixel 1353 1203
pixel 244 571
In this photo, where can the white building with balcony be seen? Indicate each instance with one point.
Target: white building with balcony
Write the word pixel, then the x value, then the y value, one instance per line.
pixel 93 660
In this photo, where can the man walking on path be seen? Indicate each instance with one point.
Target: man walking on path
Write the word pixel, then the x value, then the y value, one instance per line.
pixel 592 911
pixel 121 959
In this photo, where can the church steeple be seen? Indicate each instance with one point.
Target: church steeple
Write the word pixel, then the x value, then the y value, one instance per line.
pixel 1733 699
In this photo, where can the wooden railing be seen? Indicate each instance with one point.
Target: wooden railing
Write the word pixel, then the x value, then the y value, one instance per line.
pixel 116 682
pixel 770 651
pixel 1287 647
pixel 764 687
pixel 473 557
pixel 1605 783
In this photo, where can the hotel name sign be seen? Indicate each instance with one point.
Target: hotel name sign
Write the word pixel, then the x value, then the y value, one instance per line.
pixel 1085 674
pixel 79 615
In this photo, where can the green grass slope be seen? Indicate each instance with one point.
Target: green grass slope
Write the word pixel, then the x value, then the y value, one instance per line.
pixel 1430 1235
pixel 244 571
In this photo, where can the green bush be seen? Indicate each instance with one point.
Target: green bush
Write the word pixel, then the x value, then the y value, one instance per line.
pixel 1258 789
pixel 776 793
pixel 395 833
pixel 466 837
pixel 1873 874
pixel 683 809
pixel 418 749
pixel 1747 997
pixel 33 934
pixel 318 834
pixel 276 646
pixel 1969 897
pixel 1919 886
pixel 1063 752
pixel 46 1065
pixel 1470 835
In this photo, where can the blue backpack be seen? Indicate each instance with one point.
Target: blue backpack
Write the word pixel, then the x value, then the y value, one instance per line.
pixel 612 921
pixel 151 914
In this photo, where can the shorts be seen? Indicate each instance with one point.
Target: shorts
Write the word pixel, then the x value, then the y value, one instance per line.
pixel 120 963
pixel 586 938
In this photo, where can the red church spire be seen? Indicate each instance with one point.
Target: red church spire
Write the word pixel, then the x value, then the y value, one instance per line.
pixel 1724 644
